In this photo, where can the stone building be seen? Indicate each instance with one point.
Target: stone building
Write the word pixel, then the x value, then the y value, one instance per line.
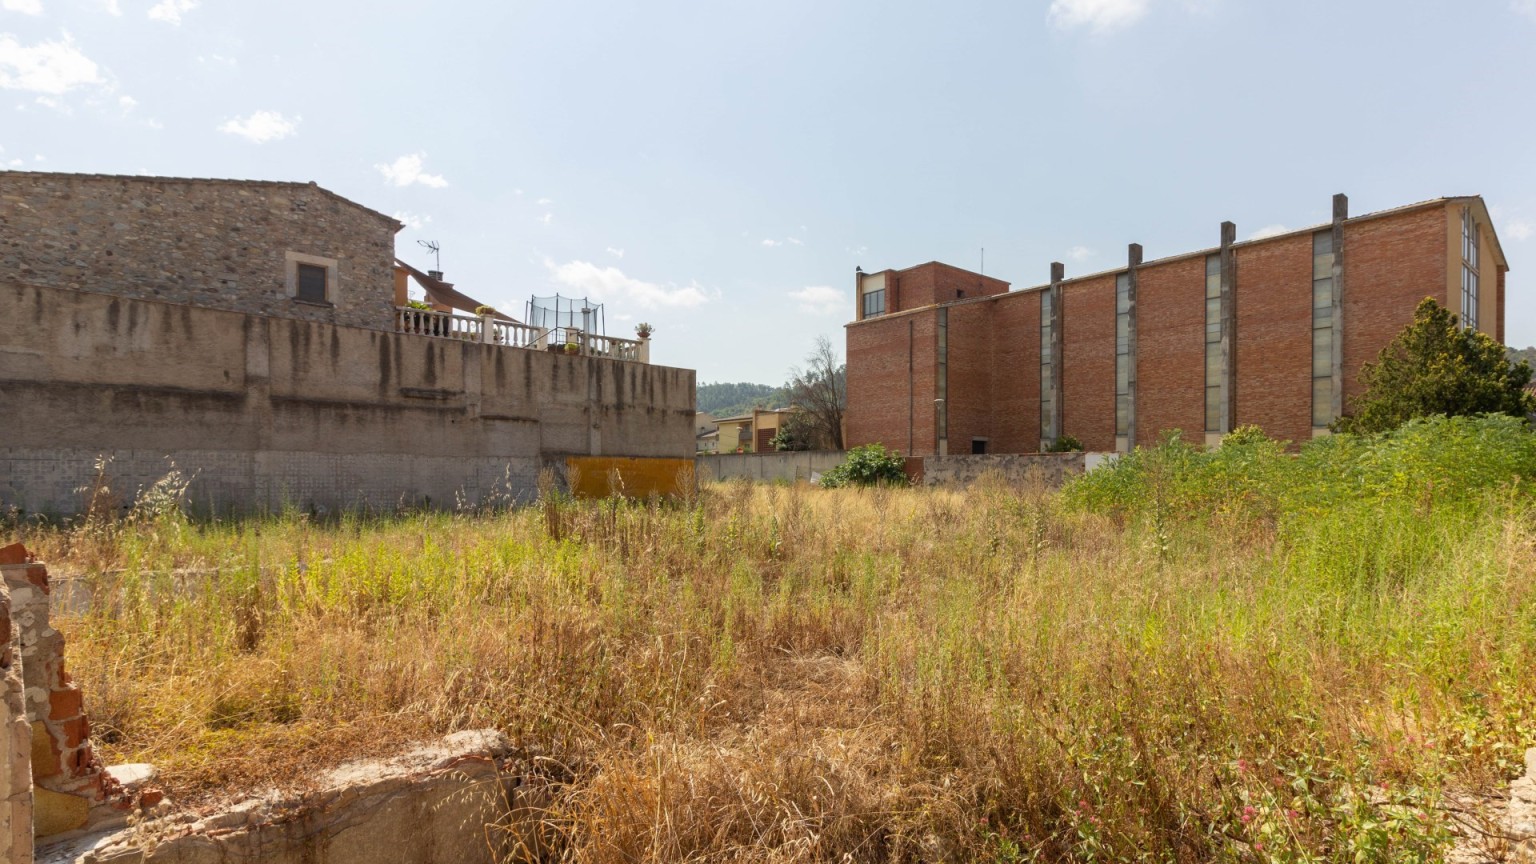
pixel 1270 331
pixel 256 334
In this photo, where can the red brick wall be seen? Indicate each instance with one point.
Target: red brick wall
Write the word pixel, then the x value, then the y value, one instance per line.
pixel 971 377
pixel 927 284
pixel 1015 339
pixel 1088 373
pixel 1274 336
pixel 1170 349
pixel 1390 264
pixel 878 394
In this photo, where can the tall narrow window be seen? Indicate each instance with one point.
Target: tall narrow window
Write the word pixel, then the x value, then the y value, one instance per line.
pixel 1124 375
pixel 1047 406
pixel 1469 286
pixel 1322 329
pixel 1213 343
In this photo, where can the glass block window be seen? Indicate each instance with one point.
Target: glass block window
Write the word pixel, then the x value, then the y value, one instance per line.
pixel 1322 328
pixel 1047 406
pixel 1213 343
pixel 1124 372
pixel 1469 270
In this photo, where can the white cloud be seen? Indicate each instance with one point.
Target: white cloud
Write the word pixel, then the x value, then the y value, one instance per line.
pixel 857 250
pixel 1097 15
pixel 261 127
pixel 544 202
pixel 547 218
pixel 772 243
pixel 611 284
pixel 51 68
pixel 1268 231
pixel 1079 253
pixel 170 11
pixel 820 300
pixel 1521 229
pixel 1524 7
pixel 617 253
pixel 406 171
pixel 413 221
pixel 25 7
pixel 127 103
pixel 795 241
pixel 113 8
pixel 55 104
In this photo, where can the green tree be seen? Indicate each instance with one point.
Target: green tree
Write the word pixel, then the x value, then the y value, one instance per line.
pixel 820 390
pixel 1435 366
pixel 796 432
pixel 869 465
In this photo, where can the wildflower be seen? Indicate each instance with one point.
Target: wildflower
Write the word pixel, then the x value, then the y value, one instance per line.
pixel 1242 766
pixel 1258 845
pixel 1291 814
pixel 1248 814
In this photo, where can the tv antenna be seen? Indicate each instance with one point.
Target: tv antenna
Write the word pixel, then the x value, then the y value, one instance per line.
pixel 436 250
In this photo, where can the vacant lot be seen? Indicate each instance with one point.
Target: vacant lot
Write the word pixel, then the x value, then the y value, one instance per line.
pixel 1240 656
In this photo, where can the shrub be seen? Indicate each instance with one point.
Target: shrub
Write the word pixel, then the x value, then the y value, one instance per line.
pixel 869 465
pixel 1436 366
pixel 1065 444
pixel 1243 436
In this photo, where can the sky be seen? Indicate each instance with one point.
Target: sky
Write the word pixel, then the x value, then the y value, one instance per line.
pixel 718 169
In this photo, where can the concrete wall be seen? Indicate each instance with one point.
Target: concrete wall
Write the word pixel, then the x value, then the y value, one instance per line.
pixel 767 467
pixel 270 412
pixel 217 243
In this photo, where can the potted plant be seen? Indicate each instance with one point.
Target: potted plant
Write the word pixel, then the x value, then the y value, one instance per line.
pixel 572 348
pixel 644 330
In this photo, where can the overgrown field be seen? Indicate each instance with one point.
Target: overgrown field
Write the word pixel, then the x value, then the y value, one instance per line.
pixel 1244 655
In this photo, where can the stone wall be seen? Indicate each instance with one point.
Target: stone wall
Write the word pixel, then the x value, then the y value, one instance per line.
pixel 1053 469
pixel 217 243
pixel 263 412
pixel 767 467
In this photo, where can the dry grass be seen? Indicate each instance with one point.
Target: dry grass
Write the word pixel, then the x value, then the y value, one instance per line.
pixel 790 674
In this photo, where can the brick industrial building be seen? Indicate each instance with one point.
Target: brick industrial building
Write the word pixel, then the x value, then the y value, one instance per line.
pixel 1270 331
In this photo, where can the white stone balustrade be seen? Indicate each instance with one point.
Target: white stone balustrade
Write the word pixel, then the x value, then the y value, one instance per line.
pixel 491 330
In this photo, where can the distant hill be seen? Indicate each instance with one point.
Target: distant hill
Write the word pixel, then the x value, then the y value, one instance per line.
pixel 728 400
pixel 1518 354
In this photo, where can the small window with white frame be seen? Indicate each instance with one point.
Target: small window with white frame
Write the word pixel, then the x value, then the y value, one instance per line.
pixel 312 279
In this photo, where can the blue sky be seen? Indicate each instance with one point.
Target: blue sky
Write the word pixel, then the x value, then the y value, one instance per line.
pixel 719 168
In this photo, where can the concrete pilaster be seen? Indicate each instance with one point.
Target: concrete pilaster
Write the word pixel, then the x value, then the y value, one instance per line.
pixel 1228 329
pixel 1058 274
pixel 1340 213
pixel 1133 261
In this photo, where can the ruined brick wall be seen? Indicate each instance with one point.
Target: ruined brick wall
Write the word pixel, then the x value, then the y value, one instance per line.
pixel 15 746
pixel 216 243
pixel 67 778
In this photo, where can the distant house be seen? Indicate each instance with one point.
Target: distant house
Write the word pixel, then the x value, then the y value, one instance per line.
pixel 752 433
pixel 706 433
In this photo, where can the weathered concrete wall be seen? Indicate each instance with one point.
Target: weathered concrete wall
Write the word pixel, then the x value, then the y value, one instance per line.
pixel 1053 469
pixel 271 412
pixel 216 243
pixel 453 801
pixel 767 467
pixel 15 746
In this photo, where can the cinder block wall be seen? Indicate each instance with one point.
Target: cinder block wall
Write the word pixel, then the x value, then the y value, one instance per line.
pixel 215 243
pixel 268 412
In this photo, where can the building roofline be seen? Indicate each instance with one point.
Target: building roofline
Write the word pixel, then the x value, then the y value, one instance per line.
pixel 1209 250
pixel 151 178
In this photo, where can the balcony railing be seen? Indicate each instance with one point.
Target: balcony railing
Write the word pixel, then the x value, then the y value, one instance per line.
pixel 490 330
